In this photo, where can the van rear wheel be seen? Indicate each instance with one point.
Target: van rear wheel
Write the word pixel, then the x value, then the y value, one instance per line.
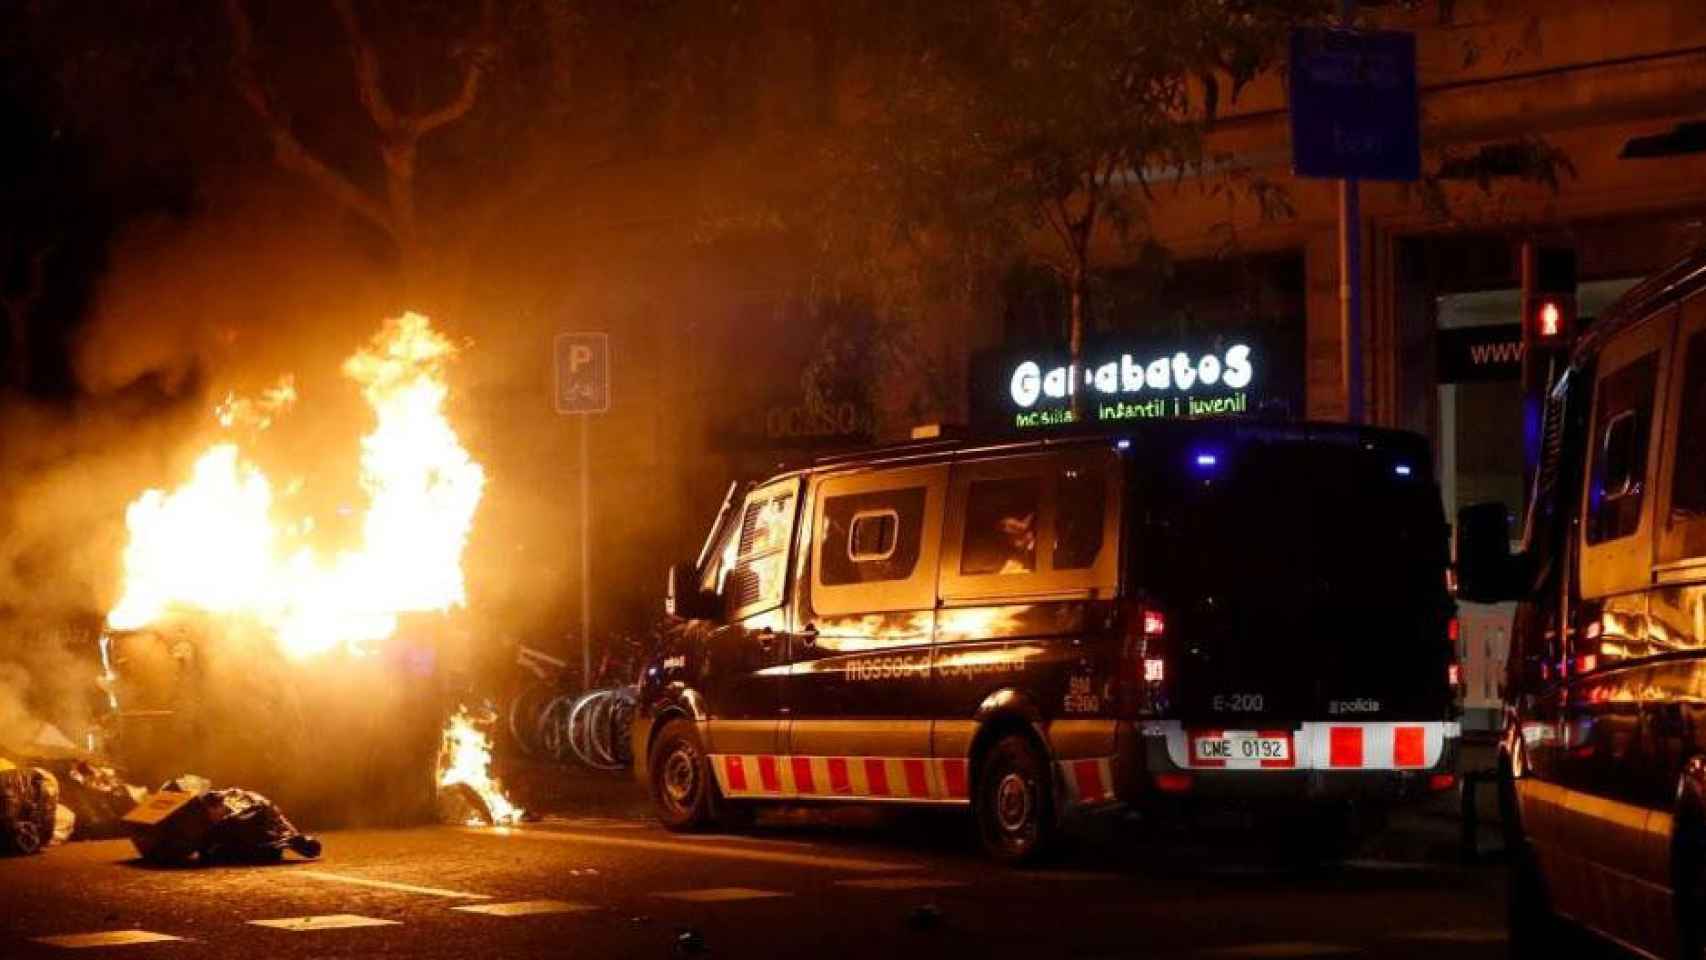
pixel 1014 802
pixel 682 785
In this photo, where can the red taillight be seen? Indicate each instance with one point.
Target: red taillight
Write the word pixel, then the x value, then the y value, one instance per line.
pixel 1454 673
pixel 1154 623
pixel 1154 670
pixel 1173 782
pixel 1442 781
pixel 1453 630
pixel 1143 664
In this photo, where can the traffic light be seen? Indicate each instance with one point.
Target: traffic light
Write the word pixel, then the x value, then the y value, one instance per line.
pixel 1548 297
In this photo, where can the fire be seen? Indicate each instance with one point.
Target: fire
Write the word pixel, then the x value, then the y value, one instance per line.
pixel 466 758
pixel 215 546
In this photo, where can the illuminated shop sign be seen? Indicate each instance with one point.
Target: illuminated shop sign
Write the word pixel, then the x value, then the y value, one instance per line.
pixel 1225 376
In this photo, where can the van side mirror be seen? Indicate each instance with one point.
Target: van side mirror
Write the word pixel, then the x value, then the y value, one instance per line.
pixel 1486 570
pixel 683 598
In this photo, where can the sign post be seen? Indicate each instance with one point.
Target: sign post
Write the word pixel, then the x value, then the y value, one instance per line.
pixel 1354 116
pixel 582 362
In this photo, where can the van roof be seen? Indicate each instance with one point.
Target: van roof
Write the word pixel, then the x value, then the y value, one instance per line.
pixel 937 450
pixel 1665 287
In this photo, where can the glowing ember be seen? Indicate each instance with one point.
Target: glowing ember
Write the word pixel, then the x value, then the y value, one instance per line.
pixel 466 758
pixel 213 545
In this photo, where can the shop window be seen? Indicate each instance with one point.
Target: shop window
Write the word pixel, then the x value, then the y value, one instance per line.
pixel 871 537
pixel 1078 520
pixel 1617 483
pixel 1001 526
pixel 1688 476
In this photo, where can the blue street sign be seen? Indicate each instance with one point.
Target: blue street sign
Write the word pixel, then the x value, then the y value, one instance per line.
pixel 583 372
pixel 1354 109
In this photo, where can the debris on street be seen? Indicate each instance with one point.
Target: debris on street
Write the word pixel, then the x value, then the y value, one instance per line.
pixel 29 805
pixel 187 822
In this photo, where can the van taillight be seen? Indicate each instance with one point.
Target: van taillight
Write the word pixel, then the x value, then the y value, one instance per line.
pixel 1454 674
pixel 1453 630
pixel 1143 660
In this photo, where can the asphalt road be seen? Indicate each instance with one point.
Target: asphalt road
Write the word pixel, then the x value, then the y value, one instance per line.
pixel 861 884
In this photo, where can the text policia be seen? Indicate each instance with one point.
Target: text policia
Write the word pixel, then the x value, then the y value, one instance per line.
pixel 1166 386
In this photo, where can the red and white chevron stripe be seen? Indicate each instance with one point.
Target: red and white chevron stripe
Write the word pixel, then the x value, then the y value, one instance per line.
pixel 846 778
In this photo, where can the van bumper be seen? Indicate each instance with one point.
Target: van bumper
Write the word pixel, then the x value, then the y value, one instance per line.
pixel 1158 768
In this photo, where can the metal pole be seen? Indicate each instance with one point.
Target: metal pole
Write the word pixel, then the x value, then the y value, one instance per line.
pixel 1350 275
pixel 586 555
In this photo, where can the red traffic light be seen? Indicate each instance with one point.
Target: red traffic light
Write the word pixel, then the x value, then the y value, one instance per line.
pixel 1551 320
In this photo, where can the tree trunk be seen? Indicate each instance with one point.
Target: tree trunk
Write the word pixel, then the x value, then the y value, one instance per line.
pixel 1078 280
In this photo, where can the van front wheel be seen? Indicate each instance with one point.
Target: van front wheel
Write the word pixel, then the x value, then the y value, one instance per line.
pixel 1014 802
pixel 683 791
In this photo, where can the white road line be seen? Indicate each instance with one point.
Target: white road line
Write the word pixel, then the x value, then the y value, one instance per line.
pixel 1265 951
pixel 388 885
pixel 697 849
pixel 900 883
pixel 721 894
pixel 105 938
pixel 525 908
pixel 330 921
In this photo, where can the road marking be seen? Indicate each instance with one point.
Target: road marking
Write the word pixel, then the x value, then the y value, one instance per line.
pixel 1456 936
pixel 388 885
pixel 699 849
pixel 525 908
pixel 1263 951
pixel 330 921
pixel 106 938
pixel 899 883
pixel 721 894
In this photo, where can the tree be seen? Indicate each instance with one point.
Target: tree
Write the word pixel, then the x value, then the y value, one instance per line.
pixel 1009 117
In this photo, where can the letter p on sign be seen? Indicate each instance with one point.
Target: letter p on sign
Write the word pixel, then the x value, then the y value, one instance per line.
pixel 583 372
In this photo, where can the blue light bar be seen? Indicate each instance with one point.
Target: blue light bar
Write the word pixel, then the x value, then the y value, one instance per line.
pixel 1123 444
pixel 1207 460
pixel 1402 469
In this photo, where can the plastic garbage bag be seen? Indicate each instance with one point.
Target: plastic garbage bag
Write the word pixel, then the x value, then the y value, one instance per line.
pixel 64 821
pixel 178 825
pixel 29 801
pixel 97 795
pixel 249 827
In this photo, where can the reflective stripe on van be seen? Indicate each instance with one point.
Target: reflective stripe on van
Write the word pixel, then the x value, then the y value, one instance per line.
pixel 1376 745
pixel 923 779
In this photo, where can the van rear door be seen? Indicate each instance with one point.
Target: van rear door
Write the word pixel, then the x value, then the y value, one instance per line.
pixel 1302 572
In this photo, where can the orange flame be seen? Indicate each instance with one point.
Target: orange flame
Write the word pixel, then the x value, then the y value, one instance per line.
pixel 213 546
pixel 466 758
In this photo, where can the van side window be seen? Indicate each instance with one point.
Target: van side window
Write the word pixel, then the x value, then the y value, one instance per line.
pixel 871 537
pixel 761 556
pixel 1621 428
pixel 1688 474
pixel 1080 504
pixel 1002 518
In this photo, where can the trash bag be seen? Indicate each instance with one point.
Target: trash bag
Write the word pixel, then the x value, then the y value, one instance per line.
pixel 178 825
pixel 29 801
pixel 97 795
pixel 248 827
pixel 64 821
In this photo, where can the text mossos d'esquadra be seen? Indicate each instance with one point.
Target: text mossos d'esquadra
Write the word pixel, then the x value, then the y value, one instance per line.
pixel 1180 372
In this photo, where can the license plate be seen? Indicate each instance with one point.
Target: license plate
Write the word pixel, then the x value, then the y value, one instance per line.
pixel 1238 749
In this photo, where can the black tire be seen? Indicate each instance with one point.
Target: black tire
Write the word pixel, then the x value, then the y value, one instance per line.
pixel 1688 866
pixel 684 790
pixel 1536 930
pixel 1013 802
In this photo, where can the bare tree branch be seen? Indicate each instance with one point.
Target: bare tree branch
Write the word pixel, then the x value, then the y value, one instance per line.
pixel 463 102
pixel 288 151
pixel 369 87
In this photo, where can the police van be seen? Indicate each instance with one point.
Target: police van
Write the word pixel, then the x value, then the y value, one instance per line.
pixel 1192 611
pixel 1604 753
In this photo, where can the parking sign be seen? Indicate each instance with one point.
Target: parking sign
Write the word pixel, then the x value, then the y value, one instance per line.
pixel 583 372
